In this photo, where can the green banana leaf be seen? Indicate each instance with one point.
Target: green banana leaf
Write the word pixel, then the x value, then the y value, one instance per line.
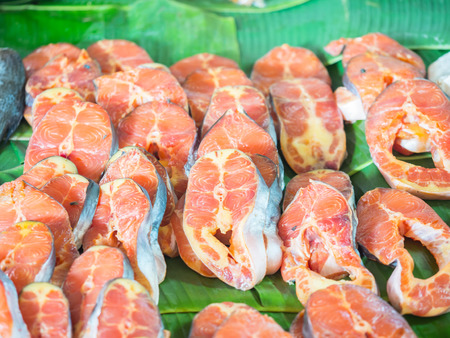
pixel 170 30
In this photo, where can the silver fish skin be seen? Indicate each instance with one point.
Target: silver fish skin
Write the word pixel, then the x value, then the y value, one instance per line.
pixel 19 329
pixel 12 92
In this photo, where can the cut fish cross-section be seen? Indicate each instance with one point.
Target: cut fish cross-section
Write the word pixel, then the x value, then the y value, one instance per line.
pixel 227 199
pixel 312 131
pixel 45 310
pixel 124 219
pixel 386 216
pixel 79 131
pixel 27 253
pixel 122 92
pixel 317 232
pixel 86 278
pixel 20 201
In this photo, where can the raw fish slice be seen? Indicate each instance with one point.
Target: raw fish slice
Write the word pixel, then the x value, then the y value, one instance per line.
pixel 41 56
pixel 247 323
pixel 20 201
pixel 184 247
pixel 403 102
pixel 269 172
pixel 337 179
pixel 166 131
pixel 200 86
pixel 46 169
pixel 286 63
pixel 296 329
pixel 385 217
pixel 86 278
pixel 317 232
pixel 12 95
pixel 368 75
pixel 352 311
pixel 11 320
pixel 226 194
pixel 65 72
pixel 185 67
pixel 45 310
pixel 208 320
pixel 312 133
pixel 79 196
pixel 122 92
pixel 124 309
pixel 251 100
pixel 235 130
pixel 145 170
pixel 439 73
pixel 124 219
pixel 80 131
pixel 26 253
pixel 118 55
pixel 375 43
pixel 49 98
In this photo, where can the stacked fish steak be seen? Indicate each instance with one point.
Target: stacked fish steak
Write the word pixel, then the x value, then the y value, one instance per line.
pixel 78 191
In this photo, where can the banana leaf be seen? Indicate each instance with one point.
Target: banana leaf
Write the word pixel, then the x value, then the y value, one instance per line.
pixel 170 30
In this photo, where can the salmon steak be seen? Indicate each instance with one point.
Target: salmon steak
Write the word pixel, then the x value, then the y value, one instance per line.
pixel 86 278
pixel 319 246
pixel 49 98
pixel 404 102
pixel 122 92
pixel 227 133
pixel 124 219
pixel 20 201
pixel 184 247
pixel 45 310
pixel 312 132
pixel 352 311
pixel 145 170
pixel 12 324
pixel 286 63
pixel 166 131
pixel 367 75
pixel 269 172
pixel 118 55
pixel 337 179
pixel 26 253
pixel 203 61
pixel 124 308
pixel 250 99
pixel 225 215
pixel 76 74
pixel 41 56
pixel 155 65
pixel 386 216
pixel 79 196
pixel 229 319
pixel 80 131
pixel 200 86
pixel 44 170
pixel 374 43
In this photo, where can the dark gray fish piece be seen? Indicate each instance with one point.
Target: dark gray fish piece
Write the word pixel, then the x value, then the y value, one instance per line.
pixel 12 92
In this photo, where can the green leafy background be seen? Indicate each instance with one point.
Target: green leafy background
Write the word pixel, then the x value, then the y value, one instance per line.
pixel 171 30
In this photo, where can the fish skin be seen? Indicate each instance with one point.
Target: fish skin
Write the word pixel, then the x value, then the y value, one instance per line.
pixel 88 212
pixel 19 329
pixel 12 92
